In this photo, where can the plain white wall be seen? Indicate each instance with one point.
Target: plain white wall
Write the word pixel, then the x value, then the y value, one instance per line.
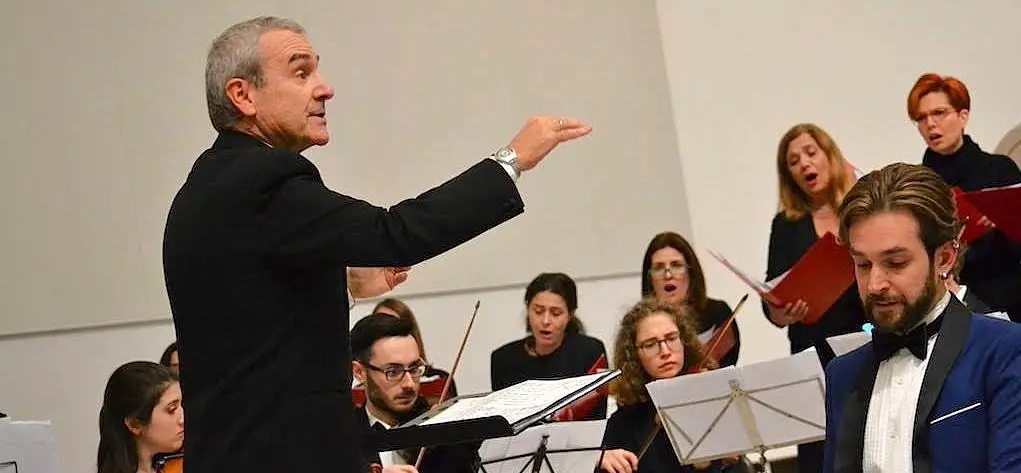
pixel 739 75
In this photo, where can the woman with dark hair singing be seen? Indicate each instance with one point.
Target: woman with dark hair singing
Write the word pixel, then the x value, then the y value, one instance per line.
pixel 556 346
pixel 141 417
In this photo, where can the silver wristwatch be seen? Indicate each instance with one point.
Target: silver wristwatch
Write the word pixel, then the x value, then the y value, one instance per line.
pixel 507 156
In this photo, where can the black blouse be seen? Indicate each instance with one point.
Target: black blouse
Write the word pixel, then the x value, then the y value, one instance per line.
pixel 511 364
pixel 629 427
pixel 788 242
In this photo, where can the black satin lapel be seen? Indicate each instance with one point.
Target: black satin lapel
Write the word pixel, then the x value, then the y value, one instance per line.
pixel 953 335
pixel 850 443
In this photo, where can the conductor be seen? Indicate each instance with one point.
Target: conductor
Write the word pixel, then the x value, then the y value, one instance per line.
pixel 257 254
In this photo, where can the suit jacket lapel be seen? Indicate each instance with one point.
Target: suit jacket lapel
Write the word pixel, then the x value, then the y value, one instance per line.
pixel 953 335
pixel 850 443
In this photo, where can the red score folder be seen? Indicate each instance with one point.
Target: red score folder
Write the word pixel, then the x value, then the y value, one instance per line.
pixel 1001 205
pixel 819 278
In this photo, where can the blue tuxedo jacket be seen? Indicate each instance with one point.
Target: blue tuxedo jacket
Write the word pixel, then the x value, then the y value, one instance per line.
pixel 968 415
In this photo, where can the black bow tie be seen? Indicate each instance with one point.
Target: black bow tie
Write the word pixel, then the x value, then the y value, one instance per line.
pixel 916 341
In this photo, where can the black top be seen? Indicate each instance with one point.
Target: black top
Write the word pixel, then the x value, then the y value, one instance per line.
pixel 788 242
pixel 992 264
pixel 715 316
pixel 255 251
pixel 459 458
pixel 629 427
pixel 511 364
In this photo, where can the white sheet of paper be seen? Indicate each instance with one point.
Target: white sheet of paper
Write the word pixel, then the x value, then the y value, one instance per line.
pixel 703 419
pixel 516 402
pixel 562 435
pixel 31 444
pixel 848 342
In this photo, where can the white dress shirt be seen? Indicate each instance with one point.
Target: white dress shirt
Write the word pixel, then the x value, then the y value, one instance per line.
pixel 385 458
pixel 889 427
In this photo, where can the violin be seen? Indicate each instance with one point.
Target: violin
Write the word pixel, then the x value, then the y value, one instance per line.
pixel 169 463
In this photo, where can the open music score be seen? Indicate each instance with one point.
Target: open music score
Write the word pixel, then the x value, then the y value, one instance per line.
pixel 581 408
pixel 819 278
pixel 1001 205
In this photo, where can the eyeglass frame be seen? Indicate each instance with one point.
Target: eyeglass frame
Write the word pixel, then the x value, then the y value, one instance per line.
pixel 398 371
pixel 657 343
pixel 676 270
pixel 938 115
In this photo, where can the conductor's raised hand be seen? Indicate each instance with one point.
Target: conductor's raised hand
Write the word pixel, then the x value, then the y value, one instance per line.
pixel 541 134
pixel 371 282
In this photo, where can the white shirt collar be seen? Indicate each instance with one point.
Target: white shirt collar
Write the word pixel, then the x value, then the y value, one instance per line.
pixel 941 305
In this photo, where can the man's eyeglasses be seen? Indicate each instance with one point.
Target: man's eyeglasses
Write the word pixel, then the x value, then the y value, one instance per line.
pixel 395 373
pixel 654 347
pixel 676 268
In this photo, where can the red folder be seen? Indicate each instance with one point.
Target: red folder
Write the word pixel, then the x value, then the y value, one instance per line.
pixel 581 408
pixel 1001 205
pixel 819 278
pixel 970 215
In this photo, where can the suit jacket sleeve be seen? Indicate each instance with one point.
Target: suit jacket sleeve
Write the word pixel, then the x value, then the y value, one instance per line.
pixel 831 419
pixel 776 256
pixel 1004 386
pixel 314 226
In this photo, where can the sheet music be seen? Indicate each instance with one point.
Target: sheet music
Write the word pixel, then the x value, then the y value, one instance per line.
pixel 780 403
pixel 755 284
pixel 498 455
pixel 516 402
pixel 848 342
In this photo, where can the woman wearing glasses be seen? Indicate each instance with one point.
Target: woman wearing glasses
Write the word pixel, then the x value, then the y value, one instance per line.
pixel 940 108
pixel 672 274
pixel 655 340
pixel 555 347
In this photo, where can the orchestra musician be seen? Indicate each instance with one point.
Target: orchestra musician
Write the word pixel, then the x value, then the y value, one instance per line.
pixel 140 418
pixel 556 345
pixel 672 274
pixel 655 340
pixel 262 260
pixel 387 362
pixel 434 378
pixel 813 177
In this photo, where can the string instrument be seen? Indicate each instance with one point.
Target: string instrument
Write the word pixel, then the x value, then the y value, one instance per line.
pixel 713 348
pixel 169 463
pixel 446 385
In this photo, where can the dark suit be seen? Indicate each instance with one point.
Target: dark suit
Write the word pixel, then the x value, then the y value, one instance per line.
pixel 968 412
pixel 460 458
pixel 255 251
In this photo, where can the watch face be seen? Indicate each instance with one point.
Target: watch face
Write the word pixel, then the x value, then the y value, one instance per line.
pixel 504 152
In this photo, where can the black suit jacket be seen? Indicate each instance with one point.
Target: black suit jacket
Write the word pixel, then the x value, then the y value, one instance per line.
pixel 460 458
pixel 255 250
pixel 789 240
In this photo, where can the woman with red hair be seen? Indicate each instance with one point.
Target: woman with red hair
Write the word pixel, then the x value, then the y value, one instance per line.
pixel 940 107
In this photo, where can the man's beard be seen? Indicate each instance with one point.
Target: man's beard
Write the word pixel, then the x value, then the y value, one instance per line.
pixel 914 312
pixel 375 395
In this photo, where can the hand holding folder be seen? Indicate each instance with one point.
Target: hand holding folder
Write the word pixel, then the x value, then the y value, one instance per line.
pixel 819 278
pixel 1000 205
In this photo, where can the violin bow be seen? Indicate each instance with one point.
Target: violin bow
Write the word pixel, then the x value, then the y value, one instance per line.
pixel 701 368
pixel 457 361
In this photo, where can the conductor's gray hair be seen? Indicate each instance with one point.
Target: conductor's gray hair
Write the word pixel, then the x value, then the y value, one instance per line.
pixel 235 54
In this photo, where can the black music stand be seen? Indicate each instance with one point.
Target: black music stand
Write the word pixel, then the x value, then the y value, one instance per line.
pixel 480 417
pixel 559 447
pixel 734 411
